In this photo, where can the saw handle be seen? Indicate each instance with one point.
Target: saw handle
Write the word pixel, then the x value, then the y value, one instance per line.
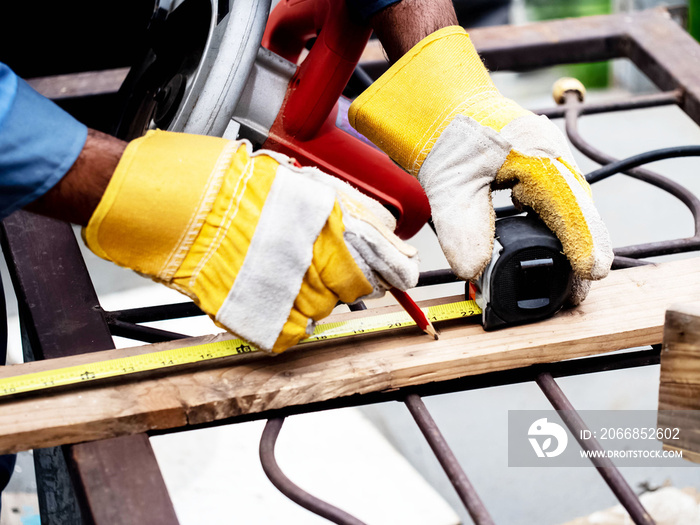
pixel 306 126
pixel 324 73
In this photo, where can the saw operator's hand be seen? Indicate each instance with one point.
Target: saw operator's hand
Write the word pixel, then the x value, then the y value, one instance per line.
pixel 263 247
pixel 438 115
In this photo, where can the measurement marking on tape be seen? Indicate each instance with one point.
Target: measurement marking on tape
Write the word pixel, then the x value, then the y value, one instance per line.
pixel 207 351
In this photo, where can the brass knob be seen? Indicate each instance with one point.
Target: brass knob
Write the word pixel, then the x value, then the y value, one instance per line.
pixel 566 84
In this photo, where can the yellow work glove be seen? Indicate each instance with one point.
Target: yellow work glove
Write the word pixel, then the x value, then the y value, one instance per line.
pixel 437 113
pixel 263 247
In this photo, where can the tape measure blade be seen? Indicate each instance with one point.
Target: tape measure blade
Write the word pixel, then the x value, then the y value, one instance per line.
pixel 224 348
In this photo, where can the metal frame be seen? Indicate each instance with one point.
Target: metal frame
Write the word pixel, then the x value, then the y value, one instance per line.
pixel 114 481
pixel 60 313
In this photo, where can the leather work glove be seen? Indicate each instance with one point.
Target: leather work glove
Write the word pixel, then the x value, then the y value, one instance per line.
pixel 437 114
pixel 263 247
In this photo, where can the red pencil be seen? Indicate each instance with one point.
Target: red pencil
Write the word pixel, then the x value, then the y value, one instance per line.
pixel 416 313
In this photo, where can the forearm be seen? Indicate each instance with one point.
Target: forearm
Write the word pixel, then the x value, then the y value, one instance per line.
pixel 402 25
pixel 75 197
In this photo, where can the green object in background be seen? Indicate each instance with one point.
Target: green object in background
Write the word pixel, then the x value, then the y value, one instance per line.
pixel 594 74
pixel 694 18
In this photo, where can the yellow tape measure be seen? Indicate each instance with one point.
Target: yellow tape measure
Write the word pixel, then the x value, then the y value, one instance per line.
pixel 204 352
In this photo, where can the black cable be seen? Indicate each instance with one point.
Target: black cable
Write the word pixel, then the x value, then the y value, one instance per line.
pixel 623 165
pixel 642 158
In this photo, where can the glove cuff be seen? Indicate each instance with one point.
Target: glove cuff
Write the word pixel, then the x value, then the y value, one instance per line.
pixel 407 109
pixel 159 195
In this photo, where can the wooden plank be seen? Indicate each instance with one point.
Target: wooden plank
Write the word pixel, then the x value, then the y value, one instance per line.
pixel 625 310
pixel 679 385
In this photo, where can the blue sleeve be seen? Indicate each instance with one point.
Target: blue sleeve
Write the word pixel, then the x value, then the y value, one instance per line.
pixel 366 8
pixel 39 142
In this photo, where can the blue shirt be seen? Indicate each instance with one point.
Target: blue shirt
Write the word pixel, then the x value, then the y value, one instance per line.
pixel 39 142
pixel 366 8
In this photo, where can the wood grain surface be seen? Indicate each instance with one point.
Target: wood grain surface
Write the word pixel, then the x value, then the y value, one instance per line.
pixel 625 310
pixel 679 385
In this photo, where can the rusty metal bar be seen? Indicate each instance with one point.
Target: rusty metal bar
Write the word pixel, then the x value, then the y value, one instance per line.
pixel 60 316
pixel 573 109
pixel 124 323
pixel 289 488
pixel 665 98
pixel 147 314
pixel 656 44
pixel 432 433
pixel 550 43
pixel 667 54
pixel 447 460
pixel 147 334
pixel 605 466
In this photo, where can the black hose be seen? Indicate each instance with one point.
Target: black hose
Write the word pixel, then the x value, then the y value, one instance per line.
pixel 642 158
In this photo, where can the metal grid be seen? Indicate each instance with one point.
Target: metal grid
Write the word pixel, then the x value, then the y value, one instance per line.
pixel 55 292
